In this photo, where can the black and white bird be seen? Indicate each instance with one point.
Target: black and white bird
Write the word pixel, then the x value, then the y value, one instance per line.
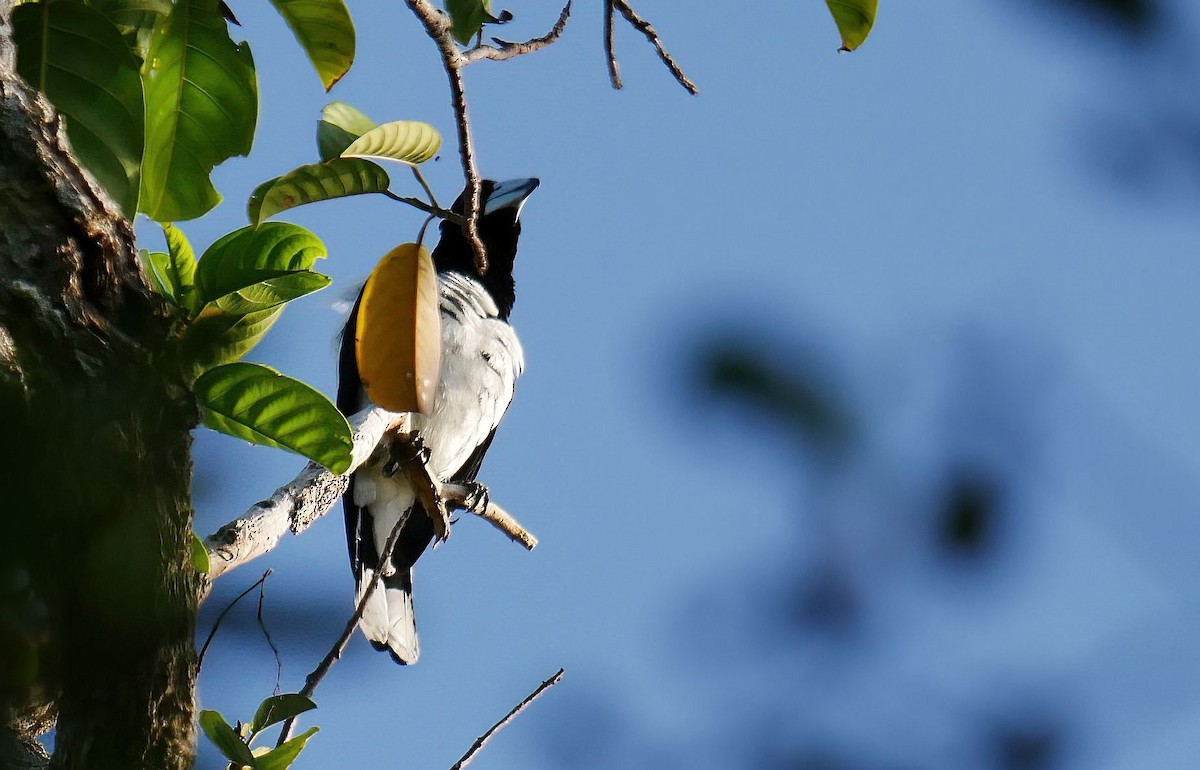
pixel 481 360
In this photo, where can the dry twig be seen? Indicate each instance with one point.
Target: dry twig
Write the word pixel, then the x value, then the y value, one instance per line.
pixel 651 34
pixel 482 740
pixel 506 50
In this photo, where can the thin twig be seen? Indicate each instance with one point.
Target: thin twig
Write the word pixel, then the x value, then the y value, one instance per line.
pixel 217 623
pixel 335 652
pixel 262 595
pixel 610 48
pixel 506 50
pixel 434 209
pixel 425 186
pixel 643 26
pixel 510 716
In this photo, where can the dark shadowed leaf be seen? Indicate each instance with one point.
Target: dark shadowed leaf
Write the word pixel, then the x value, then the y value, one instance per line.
pixel 316 182
pixel 262 406
pixel 157 267
pixel 277 708
pixel 224 738
pixel 282 757
pixel 407 141
pixel 854 19
pixel 201 109
pixel 75 56
pixel 467 17
pixel 339 126
pixel 324 29
pixel 220 339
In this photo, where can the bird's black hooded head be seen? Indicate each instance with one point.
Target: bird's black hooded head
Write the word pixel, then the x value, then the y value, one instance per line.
pixel 499 228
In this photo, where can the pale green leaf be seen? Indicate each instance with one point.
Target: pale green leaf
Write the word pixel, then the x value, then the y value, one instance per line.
pixel 262 406
pixel 854 19
pixel 277 708
pixel 407 141
pixel 201 109
pixel 157 266
pixel 224 738
pixel 75 56
pixel 339 126
pixel 324 29
pixel 252 254
pixel 282 757
pixel 317 182
pixel 200 561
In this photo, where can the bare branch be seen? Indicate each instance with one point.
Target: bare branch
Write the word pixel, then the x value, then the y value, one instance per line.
pixel 610 47
pixel 295 505
pixel 435 210
pixel 510 716
pixel 217 623
pixel 643 26
pixel 505 50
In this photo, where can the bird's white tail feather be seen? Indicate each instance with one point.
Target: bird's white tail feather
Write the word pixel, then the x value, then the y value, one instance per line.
pixel 388 620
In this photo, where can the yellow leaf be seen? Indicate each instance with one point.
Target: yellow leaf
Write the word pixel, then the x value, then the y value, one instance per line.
pixel 398 337
pixel 854 19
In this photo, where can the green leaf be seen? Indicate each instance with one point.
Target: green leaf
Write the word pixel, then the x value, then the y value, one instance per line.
pixel 339 126
pixel 271 293
pixel 408 141
pixel 854 19
pixel 75 56
pixel 134 19
pixel 277 708
pixel 225 739
pixel 200 561
pixel 251 255
pixel 317 182
pixel 262 406
pixel 467 17
pixel 324 29
pixel 201 108
pixel 221 339
pixel 182 266
pixel 281 757
pixel 157 267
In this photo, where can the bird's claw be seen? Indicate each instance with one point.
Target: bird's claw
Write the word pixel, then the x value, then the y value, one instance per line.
pixel 476 498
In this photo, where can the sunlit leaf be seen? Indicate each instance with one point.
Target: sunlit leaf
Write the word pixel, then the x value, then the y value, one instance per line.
pixel 324 29
pixel 317 182
pixel 281 757
pixel 201 109
pixel 277 708
pixel 339 126
pixel 271 292
pixel 225 739
pixel 854 19
pixel 75 56
pixel 398 339
pixel 251 255
pixel 407 141
pixel 262 406
pixel 467 17
pixel 182 264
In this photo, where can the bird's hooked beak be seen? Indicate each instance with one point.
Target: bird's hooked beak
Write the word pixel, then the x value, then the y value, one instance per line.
pixel 510 193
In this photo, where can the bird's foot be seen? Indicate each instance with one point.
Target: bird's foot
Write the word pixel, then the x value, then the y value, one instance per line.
pixel 401 452
pixel 476 498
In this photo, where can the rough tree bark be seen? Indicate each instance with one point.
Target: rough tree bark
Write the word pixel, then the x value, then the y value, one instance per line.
pixel 97 598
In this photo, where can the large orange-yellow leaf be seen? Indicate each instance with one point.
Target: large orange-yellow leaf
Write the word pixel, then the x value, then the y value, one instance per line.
pixel 398 338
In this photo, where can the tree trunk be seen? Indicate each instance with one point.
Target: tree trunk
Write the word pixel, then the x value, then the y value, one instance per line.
pixel 97 596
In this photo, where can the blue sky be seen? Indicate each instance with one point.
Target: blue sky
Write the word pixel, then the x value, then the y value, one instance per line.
pixel 929 215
